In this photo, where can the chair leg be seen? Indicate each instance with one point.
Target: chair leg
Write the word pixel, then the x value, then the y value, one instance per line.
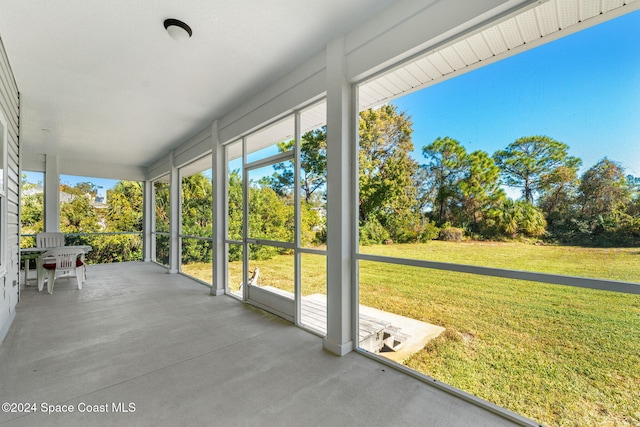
pixel 41 278
pixel 80 276
pixel 50 279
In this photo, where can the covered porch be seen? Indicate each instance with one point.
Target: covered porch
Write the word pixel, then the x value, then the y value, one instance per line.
pixel 148 333
pixel 137 335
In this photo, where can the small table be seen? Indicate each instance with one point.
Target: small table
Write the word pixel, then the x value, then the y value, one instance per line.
pixel 27 254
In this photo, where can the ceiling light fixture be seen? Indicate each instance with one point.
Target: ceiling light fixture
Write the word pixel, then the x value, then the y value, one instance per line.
pixel 178 30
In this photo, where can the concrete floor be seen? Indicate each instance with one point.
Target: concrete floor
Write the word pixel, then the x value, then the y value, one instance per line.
pixel 135 334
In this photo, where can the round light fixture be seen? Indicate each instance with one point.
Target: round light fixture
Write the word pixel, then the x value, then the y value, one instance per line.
pixel 178 30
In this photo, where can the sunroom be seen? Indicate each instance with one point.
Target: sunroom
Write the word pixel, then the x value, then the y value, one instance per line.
pixel 241 161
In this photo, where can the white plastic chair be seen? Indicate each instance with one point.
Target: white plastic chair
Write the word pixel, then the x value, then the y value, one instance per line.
pixel 46 240
pixel 49 240
pixel 68 261
pixel 253 280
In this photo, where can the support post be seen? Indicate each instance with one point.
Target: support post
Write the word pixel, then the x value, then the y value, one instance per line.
pixel 218 232
pixel 340 195
pixel 51 194
pixel 174 227
pixel 148 242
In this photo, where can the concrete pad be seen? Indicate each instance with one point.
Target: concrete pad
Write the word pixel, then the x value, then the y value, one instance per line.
pixel 420 333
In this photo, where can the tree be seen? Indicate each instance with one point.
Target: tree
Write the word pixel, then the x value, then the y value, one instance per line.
pixel 561 185
pixel 604 189
pixel 607 211
pixel 81 189
pixel 313 164
pixel 423 181
pixel 270 217
pixel 446 163
pixel 388 176
pixel 197 217
pixel 464 184
pixel 162 206
pixel 234 214
pixel 528 162
pixel 31 212
pixel 124 211
pixel 313 227
pixel 634 186
pixel 558 202
pixel 197 209
pixel 313 180
pixel 78 216
pixel 479 188
pixel 386 170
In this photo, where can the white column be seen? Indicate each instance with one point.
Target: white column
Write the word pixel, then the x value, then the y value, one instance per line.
pixel 174 227
pixel 148 242
pixel 340 195
pixel 218 232
pixel 51 194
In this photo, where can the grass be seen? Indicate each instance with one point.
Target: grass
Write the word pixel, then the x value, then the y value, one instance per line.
pixel 602 263
pixel 199 270
pixel 275 272
pixel 278 273
pixel 560 355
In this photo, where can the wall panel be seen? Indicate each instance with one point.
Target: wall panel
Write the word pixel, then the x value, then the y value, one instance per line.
pixel 9 102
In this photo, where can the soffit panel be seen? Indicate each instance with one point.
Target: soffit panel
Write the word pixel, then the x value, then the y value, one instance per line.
pixel 528 25
pixel 480 47
pixel 589 9
pixel 547 18
pixel 466 52
pixel 532 26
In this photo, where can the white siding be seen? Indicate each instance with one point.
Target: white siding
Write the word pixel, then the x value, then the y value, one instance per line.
pixel 9 106
pixel 160 167
pixel 193 148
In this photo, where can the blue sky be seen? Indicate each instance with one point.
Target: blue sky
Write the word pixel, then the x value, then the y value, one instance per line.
pixel 583 90
pixel 102 184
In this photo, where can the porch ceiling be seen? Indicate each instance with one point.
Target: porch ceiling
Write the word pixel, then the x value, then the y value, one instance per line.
pixel 103 81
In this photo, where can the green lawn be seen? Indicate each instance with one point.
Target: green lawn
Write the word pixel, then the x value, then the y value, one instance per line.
pixel 557 354
pixel 603 263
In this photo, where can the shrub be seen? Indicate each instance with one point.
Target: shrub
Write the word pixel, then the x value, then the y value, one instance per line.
pixel 430 231
pixel 372 232
pixel 108 248
pixel 516 219
pixel 451 234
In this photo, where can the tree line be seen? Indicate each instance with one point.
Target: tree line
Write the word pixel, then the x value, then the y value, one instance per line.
pixel 122 213
pixel 450 194
pixel 454 193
